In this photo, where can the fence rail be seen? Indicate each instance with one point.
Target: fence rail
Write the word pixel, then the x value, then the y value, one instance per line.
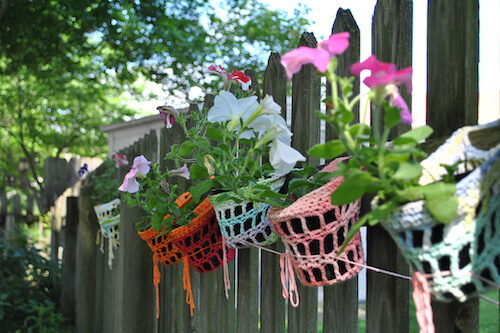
pixel 123 299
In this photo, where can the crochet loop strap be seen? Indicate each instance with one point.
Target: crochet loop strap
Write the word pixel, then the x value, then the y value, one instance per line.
pixel 287 268
pixel 422 299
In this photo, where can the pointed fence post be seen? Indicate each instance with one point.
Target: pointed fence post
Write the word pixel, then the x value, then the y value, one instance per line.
pixel 340 309
pixel 306 89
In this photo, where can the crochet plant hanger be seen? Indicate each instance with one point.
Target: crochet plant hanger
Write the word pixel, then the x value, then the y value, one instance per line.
pixel 109 227
pixel 462 258
pixel 246 222
pixel 313 230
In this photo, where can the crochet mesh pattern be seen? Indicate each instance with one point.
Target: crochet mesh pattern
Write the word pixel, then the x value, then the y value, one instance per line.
pixel 201 240
pixel 246 220
pixel 461 255
pixel 313 230
pixel 162 246
pixel 109 220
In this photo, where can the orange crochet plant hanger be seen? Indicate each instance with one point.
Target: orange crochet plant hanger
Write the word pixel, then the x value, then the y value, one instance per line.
pixel 313 230
pixel 165 252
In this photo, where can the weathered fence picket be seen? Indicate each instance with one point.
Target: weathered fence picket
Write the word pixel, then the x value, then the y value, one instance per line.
pixel 124 299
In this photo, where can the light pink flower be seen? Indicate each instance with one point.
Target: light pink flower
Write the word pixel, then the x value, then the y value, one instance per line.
pixel 183 171
pixel 227 78
pixel 319 56
pixel 119 159
pixel 168 114
pixel 130 183
pixel 140 168
pixel 383 73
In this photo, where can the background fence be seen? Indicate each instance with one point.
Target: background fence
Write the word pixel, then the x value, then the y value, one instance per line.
pixel 123 299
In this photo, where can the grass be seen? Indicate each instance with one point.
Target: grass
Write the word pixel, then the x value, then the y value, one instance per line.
pixel 488 316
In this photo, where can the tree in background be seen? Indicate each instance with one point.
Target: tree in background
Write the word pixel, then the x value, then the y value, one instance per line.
pixel 69 67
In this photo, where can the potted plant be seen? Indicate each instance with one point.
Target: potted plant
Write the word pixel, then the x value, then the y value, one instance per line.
pixel 241 131
pixel 426 206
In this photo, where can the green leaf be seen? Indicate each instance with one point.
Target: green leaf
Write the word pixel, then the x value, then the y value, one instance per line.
pixel 418 134
pixel 359 129
pixel 202 144
pixel 186 148
pixel 214 134
pixel 408 170
pixel 441 202
pixel 196 172
pixel 327 150
pixel 156 222
pixel 199 189
pixel 391 117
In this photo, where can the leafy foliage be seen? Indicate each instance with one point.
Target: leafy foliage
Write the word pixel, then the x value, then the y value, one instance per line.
pixel 69 67
pixel 29 288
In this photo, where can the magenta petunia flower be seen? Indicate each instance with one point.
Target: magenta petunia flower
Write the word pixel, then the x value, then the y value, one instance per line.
pixel 168 114
pixel 119 159
pixel 396 100
pixel 382 73
pixel 319 56
pixel 227 78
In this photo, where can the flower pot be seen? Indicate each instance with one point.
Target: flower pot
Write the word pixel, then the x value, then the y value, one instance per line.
pixel 201 240
pixel 313 230
pixel 245 222
pixel 458 258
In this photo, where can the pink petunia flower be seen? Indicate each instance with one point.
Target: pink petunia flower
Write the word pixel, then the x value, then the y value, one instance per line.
pixel 119 159
pixel 227 78
pixel 319 56
pixel 168 114
pixel 383 73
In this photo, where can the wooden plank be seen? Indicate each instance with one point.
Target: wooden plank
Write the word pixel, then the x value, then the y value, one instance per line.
pixel 85 292
pixel 137 269
pixel 272 304
pixel 392 42
pixel 452 70
pixel 340 305
pixel 306 87
pixel 68 301
pixel 247 313
pixel 456 316
pixel 387 297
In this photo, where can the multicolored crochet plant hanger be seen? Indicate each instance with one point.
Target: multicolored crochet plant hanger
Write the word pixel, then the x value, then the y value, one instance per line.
pixel 460 258
pixel 246 222
pixel 201 240
pixel 109 227
pixel 313 230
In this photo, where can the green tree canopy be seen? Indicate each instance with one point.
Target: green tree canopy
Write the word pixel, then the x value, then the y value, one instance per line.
pixel 69 67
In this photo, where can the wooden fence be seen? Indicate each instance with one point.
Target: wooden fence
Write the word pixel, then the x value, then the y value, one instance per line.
pixel 123 299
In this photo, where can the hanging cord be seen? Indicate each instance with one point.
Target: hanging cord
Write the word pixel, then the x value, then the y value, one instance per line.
pixel 100 240
pixel 111 254
pixel 422 299
pixel 187 285
pixel 227 282
pixel 287 268
pixel 156 282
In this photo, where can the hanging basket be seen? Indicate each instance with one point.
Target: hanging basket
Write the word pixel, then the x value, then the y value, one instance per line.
pixel 245 222
pixel 163 248
pixel 458 258
pixel 313 230
pixel 201 240
pixel 109 219
pixel 109 226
